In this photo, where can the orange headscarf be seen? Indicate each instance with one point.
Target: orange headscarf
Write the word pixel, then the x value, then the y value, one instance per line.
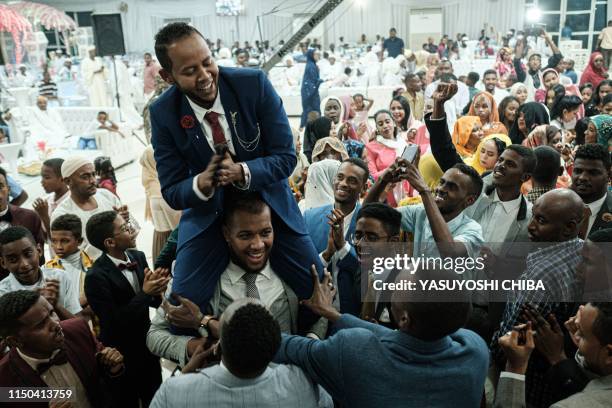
pixel 461 134
pixel 494 125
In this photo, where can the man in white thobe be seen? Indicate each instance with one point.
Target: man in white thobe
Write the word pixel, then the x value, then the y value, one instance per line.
pixel 95 75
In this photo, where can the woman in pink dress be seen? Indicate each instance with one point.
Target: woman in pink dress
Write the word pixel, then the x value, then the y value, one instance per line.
pixel 382 152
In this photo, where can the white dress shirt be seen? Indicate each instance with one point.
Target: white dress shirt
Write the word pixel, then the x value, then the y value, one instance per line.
pixel 460 99
pixel 498 218
pixel 595 207
pixel 131 276
pixel 60 376
pixel 67 296
pixel 269 285
pixel 200 113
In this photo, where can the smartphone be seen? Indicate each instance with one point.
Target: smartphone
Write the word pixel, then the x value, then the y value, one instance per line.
pixel 410 152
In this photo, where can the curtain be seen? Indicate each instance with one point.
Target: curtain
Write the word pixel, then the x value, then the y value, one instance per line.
pixel 470 17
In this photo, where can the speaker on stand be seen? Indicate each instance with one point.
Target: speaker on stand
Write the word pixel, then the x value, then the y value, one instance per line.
pixel 108 37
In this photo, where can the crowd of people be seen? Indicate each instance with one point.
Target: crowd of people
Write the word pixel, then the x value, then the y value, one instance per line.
pixel 257 288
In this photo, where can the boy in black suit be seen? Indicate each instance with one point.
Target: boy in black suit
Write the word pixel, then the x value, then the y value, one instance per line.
pixel 120 289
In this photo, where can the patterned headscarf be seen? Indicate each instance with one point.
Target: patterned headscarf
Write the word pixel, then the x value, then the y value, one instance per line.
pixel 334 143
pixel 603 124
pixel 494 115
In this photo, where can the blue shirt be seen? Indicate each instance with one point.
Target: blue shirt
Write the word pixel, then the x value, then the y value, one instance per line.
pixel 368 365
pixel 15 189
pixel 393 46
pixel 462 228
pixel 566 32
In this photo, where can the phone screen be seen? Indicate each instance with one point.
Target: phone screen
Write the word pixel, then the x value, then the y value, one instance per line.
pixel 409 153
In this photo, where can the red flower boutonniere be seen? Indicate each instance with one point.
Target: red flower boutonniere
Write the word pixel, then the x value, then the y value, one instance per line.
pixel 187 122
pixel 607 217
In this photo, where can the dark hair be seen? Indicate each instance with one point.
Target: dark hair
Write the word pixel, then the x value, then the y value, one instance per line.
pixel 68 222
pixel 99 228
pixel 406 107
pixel 567 102
pixel 447 78
pixel 103 165
pixel 390 218
pixel 504 104
pixel 380 112
pixel 607 99
pixel 103 113
pixel 596 99
pixel 409 76
pixel 488 72
pixel 580 128
pixel 548 162
pixel 55 165
pixel 13 305
pixel 361 164
pixel 431 319
pixel 528 158
pixel 250 339
pixel 473 175
pixel 473 76
pixel 602 325
pixel 585 85
pixel 13 234
pixel 500 145
pixel 147 53
pixel 594 151
pixel 559 91
pixel 237 200
pixel 348 71
pixel 358 95
pixel 3 173
pixel 167 36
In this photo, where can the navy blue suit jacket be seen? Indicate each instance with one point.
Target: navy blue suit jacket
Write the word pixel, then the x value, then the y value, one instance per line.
pixel 349 278
pixel 182 153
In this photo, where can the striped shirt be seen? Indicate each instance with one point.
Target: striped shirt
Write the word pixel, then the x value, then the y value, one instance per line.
pixel 48 89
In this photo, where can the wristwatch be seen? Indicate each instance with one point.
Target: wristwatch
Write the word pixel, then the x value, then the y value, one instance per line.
pixel 205 320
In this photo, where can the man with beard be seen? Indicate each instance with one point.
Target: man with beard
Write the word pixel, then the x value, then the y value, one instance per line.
pixel 85 198
pixel 439 224
pixel 590 180
pixel 331 227
pixel 214 128
pixel 250 235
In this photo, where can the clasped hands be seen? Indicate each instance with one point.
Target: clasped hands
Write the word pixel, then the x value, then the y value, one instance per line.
pixel 221 171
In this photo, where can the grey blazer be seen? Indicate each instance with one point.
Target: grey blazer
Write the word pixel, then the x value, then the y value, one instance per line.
pixel 518 229
pixel 511 394
pixel 163 343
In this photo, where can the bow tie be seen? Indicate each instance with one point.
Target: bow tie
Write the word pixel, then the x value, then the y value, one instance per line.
pixel 130 266
pixel 60 358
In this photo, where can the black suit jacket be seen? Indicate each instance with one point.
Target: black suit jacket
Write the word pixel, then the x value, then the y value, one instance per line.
pixel 123 314
pixel 604 216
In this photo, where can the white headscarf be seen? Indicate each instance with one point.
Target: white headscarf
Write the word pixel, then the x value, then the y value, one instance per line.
pixel 319 188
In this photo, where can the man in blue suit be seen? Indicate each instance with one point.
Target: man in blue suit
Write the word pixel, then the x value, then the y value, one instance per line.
pixel 213 129
pixel 332 226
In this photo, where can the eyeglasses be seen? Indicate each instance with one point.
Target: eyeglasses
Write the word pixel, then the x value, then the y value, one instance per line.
pixel 356 238
pixel 127 227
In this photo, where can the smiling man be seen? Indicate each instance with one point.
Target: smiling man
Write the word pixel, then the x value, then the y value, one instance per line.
pixel 209 108
pixel 331 226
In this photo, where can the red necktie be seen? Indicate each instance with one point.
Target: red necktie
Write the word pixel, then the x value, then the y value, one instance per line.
pixel 217 132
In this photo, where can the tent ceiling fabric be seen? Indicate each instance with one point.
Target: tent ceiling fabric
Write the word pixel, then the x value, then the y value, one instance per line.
pixel 144 17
